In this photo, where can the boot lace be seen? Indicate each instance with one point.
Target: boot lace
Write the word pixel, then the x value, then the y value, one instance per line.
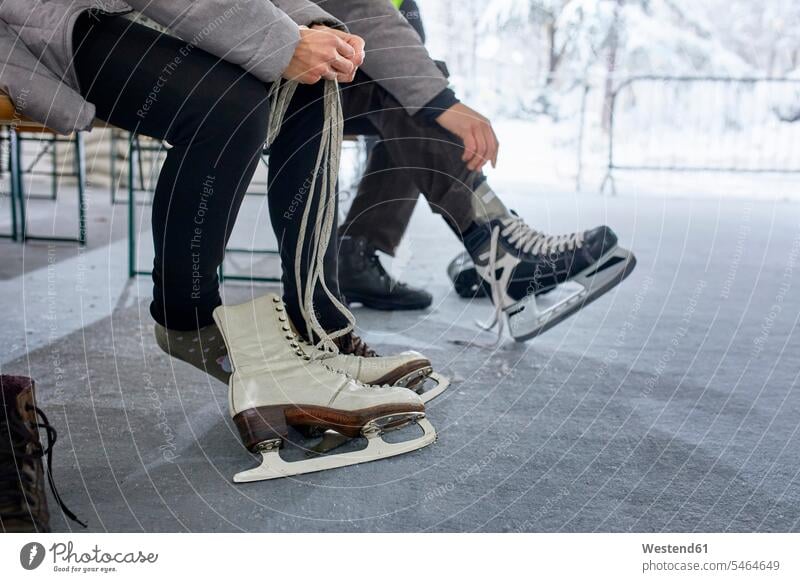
pixel 302 346
pixel 17 487
pixel 497 293
pixel 529 240
pixel 327 169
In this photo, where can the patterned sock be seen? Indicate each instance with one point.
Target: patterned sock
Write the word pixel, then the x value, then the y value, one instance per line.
pixel 204 349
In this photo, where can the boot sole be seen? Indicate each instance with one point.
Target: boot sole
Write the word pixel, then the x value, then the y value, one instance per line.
pixel 383 304
pixel 410 376
pixel 267 423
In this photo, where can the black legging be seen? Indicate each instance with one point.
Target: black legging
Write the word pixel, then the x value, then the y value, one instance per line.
pixel 214 115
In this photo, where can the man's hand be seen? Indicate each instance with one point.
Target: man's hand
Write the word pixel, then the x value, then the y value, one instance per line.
pixel 321 54
pixel 480 141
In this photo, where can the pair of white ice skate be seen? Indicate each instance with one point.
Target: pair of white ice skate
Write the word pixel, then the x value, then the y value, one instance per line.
pixel 280 381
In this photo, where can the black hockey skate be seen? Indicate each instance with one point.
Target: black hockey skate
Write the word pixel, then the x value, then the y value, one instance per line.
pixel 464 276
pixel 515 264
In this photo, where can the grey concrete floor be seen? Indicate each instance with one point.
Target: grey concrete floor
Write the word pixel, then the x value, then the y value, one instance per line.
pixel 671 404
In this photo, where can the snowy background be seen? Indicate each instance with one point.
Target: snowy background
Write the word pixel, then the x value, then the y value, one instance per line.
pixel 546 71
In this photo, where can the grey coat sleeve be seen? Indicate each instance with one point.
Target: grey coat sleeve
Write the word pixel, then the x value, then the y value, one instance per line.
pixel 254 34
pixel 306 13
pixel 396 58
pixel 35 91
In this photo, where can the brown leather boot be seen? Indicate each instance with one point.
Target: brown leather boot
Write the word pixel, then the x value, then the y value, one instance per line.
pixel 23 502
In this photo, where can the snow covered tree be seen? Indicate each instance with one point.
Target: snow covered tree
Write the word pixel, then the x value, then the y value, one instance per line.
pixel 765 34
pixel 541 14
pixel 522 57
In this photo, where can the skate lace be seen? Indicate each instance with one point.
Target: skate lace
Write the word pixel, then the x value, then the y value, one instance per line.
pixel 497 293
pixel 16 485
pixel 529 240
pixel 497 300
pixel 281 94
pixel 302 348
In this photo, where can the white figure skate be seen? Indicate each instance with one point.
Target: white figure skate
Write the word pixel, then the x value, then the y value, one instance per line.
pixel 381 370
pixel 276 384
pixel 409 369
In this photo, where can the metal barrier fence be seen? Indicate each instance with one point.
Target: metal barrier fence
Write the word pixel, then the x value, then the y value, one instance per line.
pixel 704 124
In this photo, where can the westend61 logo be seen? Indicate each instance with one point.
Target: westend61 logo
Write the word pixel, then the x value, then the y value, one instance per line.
pixel 66 559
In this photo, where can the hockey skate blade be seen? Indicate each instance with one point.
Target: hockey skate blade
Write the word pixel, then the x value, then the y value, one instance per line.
pixel 525 321
pixel 274 467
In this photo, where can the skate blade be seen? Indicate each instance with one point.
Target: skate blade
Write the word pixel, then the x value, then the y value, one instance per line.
pixel 418 380
pixel 273 466
pixel 525 321
pixel 415 378
pixel 442 383
pixel 332 440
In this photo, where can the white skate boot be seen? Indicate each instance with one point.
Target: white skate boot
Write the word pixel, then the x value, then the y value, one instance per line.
pixel 518 263
pixel 276 384
pixel 409 369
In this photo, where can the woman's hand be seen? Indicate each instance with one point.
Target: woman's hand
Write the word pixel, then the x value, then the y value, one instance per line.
pixel 480 141
pixel 354 41
pixel 322 54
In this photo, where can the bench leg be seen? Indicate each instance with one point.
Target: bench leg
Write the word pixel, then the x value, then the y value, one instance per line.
pixel 18 194
pixel 80 163
pixel 131 211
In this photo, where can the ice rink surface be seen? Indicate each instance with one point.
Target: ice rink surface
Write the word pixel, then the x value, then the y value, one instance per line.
pixel 672 404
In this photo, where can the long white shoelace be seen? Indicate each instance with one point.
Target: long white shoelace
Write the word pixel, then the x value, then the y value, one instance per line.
pixel 330 147
pixel 497 292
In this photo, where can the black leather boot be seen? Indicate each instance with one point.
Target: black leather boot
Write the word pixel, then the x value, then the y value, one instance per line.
pixel 362 279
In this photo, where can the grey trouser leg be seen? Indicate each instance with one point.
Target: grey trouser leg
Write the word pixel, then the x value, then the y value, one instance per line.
pixel 416 156
pixel 384 203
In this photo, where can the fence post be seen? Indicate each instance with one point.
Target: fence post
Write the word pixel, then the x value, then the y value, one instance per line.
pixel 609 177
pixel 581 130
